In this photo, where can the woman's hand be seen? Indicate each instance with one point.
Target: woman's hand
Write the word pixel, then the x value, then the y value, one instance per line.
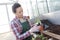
pixel 34 29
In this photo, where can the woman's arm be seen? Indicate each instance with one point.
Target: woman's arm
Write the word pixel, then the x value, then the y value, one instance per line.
pixel 17 31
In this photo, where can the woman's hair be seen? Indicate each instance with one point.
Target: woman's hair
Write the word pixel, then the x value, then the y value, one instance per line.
pixel 15 6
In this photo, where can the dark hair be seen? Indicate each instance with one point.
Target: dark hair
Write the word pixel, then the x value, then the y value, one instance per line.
pixel 15 6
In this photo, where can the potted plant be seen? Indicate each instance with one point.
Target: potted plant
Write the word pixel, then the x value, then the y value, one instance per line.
pixel 40 37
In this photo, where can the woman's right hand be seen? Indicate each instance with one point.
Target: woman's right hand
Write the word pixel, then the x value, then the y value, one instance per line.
pixel 34 29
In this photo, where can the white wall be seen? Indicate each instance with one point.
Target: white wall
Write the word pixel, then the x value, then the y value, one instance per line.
pixel 54 17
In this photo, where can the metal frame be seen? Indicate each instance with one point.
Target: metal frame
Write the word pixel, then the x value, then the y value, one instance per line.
pixel 47 6
pixel 7 13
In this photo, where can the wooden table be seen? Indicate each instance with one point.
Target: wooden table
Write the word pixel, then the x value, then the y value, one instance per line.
pixel 51 34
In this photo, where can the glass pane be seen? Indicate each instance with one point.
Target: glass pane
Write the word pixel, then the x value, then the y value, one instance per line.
pixel 42 7
pixel 54 5
pixel 29 9
pixel 7 1
pixel 26 7
pixel 3 15
pixel 40 0
pixel 35 8
pixel 11 14
pixel 39 7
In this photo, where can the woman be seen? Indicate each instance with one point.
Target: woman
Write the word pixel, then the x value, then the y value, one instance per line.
pixel 20 25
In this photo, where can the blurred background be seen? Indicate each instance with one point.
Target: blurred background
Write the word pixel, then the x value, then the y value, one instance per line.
pixel 31 8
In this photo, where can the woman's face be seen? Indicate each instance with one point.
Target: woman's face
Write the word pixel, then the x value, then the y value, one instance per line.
pixel 19 12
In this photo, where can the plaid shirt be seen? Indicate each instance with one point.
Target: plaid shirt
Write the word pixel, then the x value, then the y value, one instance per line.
pixel 17 29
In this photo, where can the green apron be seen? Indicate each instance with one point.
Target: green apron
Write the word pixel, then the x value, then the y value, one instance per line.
pixel 26 27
